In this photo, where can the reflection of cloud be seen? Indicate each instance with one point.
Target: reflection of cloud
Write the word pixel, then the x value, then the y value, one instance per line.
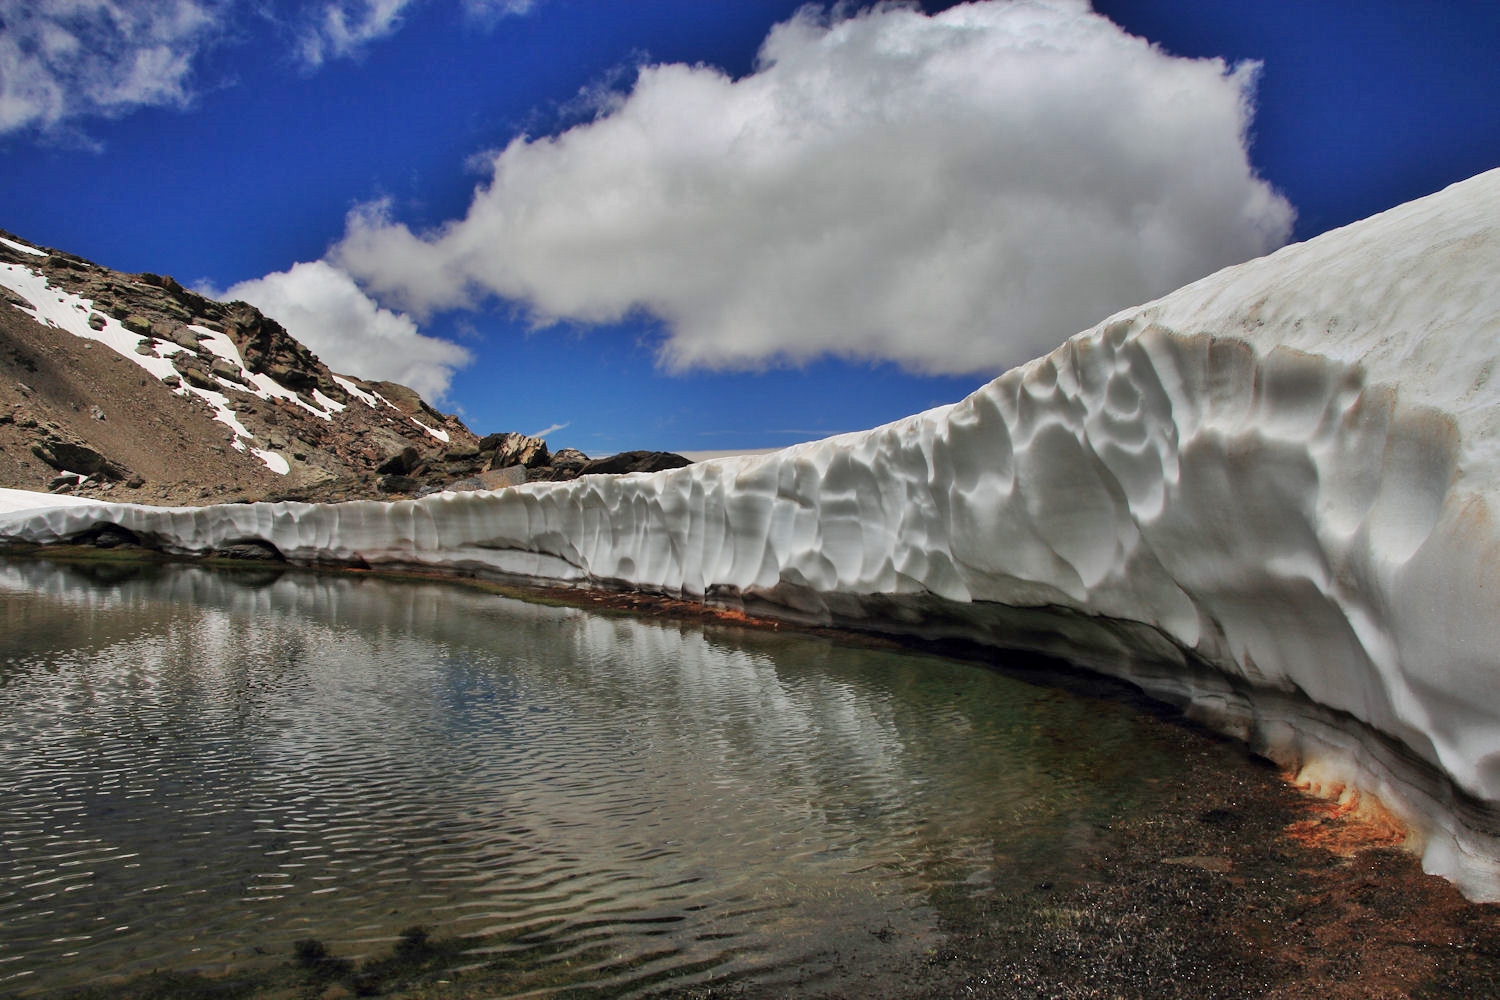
pixel 323 308
pixel 955 193
pixel 613 764
pixel 65 59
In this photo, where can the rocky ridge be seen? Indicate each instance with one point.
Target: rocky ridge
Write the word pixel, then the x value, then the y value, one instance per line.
pixel 221 403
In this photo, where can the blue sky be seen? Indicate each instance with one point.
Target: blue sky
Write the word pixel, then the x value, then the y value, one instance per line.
pixel 698 226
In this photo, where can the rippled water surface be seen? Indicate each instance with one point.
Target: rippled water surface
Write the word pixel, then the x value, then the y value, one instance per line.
pixel 199 769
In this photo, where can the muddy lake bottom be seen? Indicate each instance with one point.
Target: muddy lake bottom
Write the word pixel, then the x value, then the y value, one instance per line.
pixel 286 785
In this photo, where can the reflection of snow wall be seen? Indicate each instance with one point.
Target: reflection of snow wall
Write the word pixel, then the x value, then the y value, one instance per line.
pixel 1278 478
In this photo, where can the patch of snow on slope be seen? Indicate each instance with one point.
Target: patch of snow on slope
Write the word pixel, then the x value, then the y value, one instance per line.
pixel 374 400
pixel 23 248
pixel 70 313
pixel 275 462
pixel 371 401
pixel 264 386
pixel 1278 485
pixel 223 413
pixel 438 433
pixel 219 344
pixel 260 384
pixel 331 405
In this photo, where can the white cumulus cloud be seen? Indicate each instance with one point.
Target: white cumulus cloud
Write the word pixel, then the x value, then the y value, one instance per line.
pixel 65 59
pixel 323 308
pixel 956 193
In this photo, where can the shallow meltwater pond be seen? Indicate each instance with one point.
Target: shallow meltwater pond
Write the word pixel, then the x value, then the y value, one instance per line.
pixel 273 779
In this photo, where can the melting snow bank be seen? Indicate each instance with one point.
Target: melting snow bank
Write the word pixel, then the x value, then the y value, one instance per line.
pixel 1272 488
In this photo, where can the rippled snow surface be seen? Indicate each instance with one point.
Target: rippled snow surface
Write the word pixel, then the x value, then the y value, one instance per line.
pixel 200 769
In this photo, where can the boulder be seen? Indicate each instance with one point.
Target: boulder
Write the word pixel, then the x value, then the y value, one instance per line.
pixel 566 464
pixel 226 369
pixel 401 463
pixel 406 400
pixel 68 456
pixel 199 378
pixel 267 348
pixel 398 484
pixel 515 449
pixel 64 262
pixel 634 461
pixel 294 378
pixel 108 536
pixel 491 479
pixel 251 550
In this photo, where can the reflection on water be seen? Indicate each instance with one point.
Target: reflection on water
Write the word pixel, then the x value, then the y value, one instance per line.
pixel 199 769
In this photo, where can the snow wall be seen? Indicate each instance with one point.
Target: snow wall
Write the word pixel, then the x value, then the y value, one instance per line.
pixel 1269 497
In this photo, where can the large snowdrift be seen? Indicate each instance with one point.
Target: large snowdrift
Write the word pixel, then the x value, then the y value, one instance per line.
pixel 1269 496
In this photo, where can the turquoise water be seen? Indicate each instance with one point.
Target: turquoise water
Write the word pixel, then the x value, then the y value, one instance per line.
pixel 200 769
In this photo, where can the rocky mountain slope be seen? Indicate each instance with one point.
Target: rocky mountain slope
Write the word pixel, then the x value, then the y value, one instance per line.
pixel 133 387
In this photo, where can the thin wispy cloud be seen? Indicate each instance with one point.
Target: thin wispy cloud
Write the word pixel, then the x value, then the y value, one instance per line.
pixel 344 28
pixel 553 429
pixel 492 9
pixel 955 193
pixel 61 60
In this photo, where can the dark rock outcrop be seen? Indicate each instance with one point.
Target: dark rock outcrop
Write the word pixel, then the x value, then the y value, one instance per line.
pixel 401 463
pixel 269 350
pixel 508 459
pixel 515 449
pixel 634 461
pixel 73 456
pixel 398 484
pixel 251 550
